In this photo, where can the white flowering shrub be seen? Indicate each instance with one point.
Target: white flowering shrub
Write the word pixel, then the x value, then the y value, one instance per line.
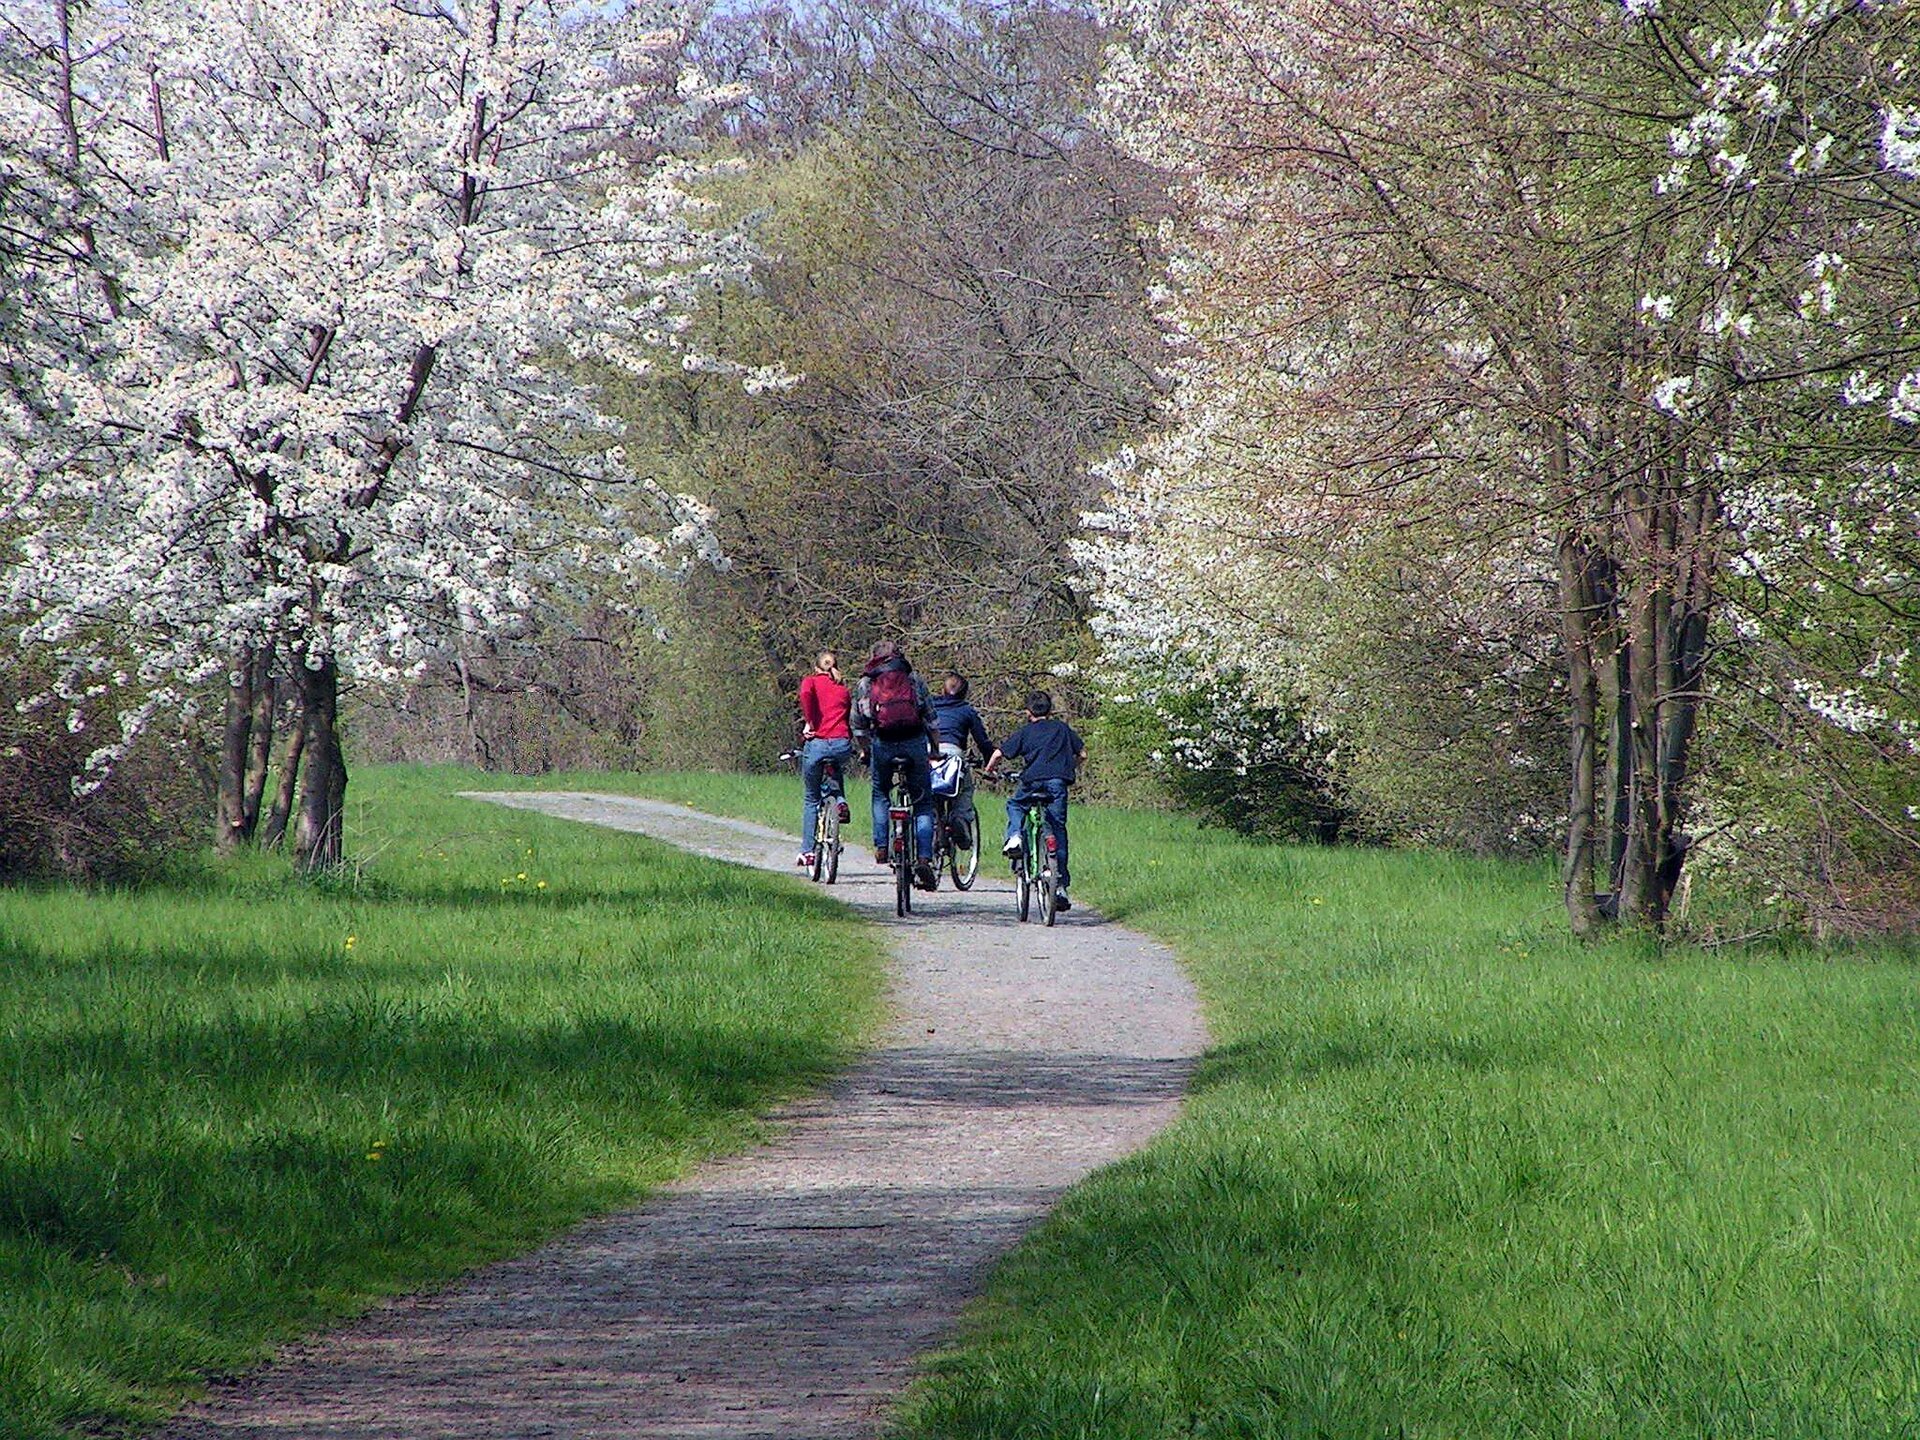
pixel 1207 743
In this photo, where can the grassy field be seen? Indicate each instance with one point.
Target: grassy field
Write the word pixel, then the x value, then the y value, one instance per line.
pixel 1446 1173
pixel 234 1105
pixel 1443 1174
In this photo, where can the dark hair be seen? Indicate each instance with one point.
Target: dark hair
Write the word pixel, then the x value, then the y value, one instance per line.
pixel 956 685
pixel 884 650
pixel 1039 703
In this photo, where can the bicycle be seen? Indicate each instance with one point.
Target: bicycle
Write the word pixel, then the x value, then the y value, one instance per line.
pixel 826 826
pixel 962 862
pixel 1037 866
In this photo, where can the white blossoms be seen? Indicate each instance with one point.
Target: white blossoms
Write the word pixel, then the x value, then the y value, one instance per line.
pixel 1900 141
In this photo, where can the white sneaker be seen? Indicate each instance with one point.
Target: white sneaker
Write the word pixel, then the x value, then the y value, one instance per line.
pixel 1013 846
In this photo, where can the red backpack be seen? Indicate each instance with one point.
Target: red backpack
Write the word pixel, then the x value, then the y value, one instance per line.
pixel 894 706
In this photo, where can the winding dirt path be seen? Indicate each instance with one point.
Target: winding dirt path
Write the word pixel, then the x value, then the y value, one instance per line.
pixel 784 1293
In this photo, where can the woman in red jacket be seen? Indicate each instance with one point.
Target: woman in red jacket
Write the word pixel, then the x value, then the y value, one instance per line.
pixel 825 704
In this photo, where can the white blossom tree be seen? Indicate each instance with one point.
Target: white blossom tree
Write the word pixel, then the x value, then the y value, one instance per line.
pixel 300 320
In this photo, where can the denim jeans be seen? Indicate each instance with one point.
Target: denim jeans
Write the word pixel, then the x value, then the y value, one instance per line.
pixel 814 756
pixel 910 757
pixel 1053 795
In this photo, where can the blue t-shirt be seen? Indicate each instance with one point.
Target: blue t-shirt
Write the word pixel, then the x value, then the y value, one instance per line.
pixel 1049 747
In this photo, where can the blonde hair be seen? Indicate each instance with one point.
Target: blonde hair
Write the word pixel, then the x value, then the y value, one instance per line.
pixel 829 662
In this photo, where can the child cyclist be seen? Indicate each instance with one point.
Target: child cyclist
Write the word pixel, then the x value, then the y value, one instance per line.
pixel 1053 753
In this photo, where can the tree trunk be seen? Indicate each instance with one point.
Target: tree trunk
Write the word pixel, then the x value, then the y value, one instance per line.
pixel 231 826
pixel 476 742
pixel 1618 691
pixel 274 832
pixel 1578 620
pixel 1640 902
pixel 260 747
pixel 318 832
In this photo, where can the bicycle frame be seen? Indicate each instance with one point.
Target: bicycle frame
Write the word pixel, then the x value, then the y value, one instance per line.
pixel 946 855
pixel 826 825
pixel 1037 865
pixel 900 843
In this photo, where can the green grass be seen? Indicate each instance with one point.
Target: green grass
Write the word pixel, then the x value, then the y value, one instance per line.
pixel 1446 1173
pixel 234 1105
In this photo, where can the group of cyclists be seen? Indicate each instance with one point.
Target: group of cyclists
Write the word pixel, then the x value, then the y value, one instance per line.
pixel 900 728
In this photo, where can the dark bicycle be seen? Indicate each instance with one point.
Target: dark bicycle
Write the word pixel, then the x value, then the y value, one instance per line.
pixel 900 843
pixel 826 845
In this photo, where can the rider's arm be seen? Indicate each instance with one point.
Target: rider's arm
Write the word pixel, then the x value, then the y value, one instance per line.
pixel 980 735
pixel 992 760
pixel 809 707
pixel 862 721
pixel 929 717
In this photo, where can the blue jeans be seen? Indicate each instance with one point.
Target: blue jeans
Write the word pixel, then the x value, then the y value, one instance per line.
pixel 910 758
pixel 1053 795
pixel 814 756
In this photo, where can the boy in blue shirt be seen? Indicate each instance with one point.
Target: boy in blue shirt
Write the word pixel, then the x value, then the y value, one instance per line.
pixel 1053 754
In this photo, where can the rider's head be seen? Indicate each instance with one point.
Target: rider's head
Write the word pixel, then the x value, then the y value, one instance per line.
pixel 827 663
pixel 1039 704
pixel 956 685
pixel 884 651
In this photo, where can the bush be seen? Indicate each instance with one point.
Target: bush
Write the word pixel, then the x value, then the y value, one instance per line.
pixel 1224 756
pixel 1806 826
pixel 156 799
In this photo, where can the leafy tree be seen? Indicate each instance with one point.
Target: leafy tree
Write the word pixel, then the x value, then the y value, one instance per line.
pixel 1512 310
pixel 954 261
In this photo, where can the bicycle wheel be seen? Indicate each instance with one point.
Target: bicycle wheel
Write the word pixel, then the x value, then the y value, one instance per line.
pixel 964 863
pixel 820 843
pixel 902 872
pixel 1048 894
pixel 830 847
pixel 1024 887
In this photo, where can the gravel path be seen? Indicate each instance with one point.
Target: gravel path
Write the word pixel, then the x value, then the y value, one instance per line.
pixel 783 1294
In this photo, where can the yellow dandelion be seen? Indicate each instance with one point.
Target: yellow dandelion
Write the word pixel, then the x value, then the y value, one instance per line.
pixel 352 940
pixel 521 876
pixel 541 886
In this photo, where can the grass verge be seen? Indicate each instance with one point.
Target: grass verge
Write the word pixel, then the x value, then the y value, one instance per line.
pixel 1447 1173
pixel 235 1105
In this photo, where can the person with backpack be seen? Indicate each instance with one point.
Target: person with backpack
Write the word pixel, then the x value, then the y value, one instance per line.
pixel 893 721
pixel 824 705
pixel 1053 753
pixel 957 722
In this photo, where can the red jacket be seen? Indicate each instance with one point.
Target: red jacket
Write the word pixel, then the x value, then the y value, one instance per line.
pixel 824 703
